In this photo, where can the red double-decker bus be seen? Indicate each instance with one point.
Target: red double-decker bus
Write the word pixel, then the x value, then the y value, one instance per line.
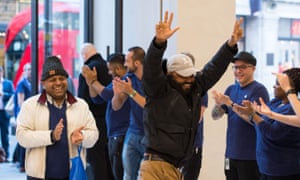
pixel 65 35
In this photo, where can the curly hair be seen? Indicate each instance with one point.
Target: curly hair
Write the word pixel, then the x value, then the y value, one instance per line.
pixel 294 76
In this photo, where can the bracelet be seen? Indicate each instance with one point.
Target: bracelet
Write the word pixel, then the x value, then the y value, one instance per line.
pixel 291 91
pixel 250 118
pixel 132 94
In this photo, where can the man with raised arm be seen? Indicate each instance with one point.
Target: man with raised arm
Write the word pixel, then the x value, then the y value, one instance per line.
pixel 172 110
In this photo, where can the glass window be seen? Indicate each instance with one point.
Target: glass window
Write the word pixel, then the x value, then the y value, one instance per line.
pixel 272 35
pixel 58 34
pixel 283 28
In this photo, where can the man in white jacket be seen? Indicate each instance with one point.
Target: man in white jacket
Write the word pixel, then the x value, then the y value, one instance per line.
pixel 52 124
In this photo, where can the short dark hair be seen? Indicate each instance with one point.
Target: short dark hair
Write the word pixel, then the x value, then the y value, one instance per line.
pixel 138 53
pixel 294 76
pixel 116 58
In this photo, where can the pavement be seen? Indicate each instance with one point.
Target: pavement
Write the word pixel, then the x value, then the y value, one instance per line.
pixel 9 171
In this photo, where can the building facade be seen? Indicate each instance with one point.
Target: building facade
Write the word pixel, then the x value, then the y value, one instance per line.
pixel 272 34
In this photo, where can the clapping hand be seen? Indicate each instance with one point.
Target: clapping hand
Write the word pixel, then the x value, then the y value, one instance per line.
pixel 263 108
pixel 122 86
pixel 77 136
pixel 88 74
pixel 58 130
pixel 220 98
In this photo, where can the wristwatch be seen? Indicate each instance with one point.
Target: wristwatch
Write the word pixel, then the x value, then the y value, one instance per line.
pixel 250 118
pixel 132 94
pixel 291 91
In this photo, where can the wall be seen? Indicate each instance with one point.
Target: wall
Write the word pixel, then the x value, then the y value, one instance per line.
pixel 205 25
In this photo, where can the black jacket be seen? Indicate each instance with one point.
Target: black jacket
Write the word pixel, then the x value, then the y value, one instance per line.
pixel 170 124
pixel 102 76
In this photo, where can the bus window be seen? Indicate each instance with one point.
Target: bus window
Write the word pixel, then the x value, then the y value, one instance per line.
pixel 64 37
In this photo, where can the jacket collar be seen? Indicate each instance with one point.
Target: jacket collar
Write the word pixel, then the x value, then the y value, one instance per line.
pixel 43 98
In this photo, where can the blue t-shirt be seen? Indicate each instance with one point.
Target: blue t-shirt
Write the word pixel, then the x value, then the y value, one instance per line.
pixel 24 86
pixel 278 144
pixel 199 134
pixel 136 125
pixel 241 136
pixel 117 122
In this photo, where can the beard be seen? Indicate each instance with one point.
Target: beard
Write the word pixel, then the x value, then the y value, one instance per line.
pixel 132 69
pixel 180 86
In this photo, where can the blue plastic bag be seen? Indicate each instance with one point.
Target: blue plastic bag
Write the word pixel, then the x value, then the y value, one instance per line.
pixel 77 171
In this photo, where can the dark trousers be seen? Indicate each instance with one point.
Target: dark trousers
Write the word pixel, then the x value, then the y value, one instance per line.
pixel 4 128
pixel 241 170
pixel 115 148
pixel 191 168
pixel 290 177
pixel 22 151
pixel 19 155
pixel 97 156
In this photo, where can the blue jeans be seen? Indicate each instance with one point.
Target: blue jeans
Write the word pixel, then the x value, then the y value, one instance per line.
pixel 133 153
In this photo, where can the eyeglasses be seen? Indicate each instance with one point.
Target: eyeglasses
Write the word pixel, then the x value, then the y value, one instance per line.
pixel 241 67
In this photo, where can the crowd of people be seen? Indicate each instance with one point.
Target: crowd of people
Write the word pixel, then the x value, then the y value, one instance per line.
pixel 140 116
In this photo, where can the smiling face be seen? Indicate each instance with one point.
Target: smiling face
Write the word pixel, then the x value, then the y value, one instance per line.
pixel 56 87
pixel 115 70
pixel 183 84
pixel 130 63
pixel 243 72
pixel 112 69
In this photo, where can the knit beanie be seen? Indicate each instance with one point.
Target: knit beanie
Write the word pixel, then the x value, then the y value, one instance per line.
pixel 52 67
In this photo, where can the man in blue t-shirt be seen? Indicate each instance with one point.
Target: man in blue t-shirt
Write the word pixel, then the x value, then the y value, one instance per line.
pixel 116 121
pixel 131 89
pixel 240 157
